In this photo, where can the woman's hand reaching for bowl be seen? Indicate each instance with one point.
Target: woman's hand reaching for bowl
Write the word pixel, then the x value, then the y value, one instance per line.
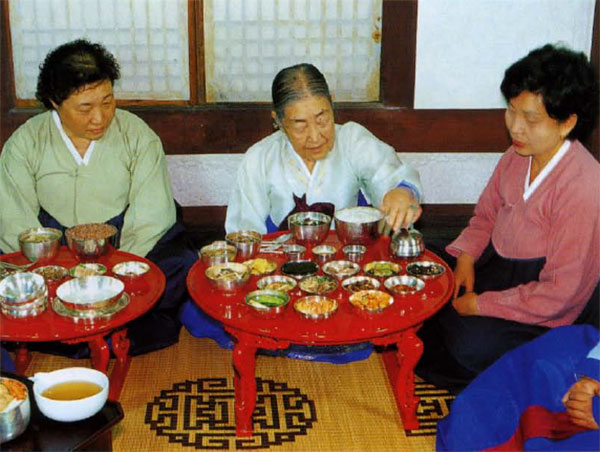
pixel 401 209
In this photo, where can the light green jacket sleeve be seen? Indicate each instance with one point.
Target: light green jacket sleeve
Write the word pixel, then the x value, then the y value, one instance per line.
pixel 151 209
pixel 19 205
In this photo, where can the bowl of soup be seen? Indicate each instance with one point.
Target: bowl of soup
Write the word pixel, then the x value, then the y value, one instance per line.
pixel 70 394
pixel 40 244
pixel 309 228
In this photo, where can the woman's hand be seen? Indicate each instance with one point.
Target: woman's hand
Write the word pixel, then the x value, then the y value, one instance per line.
pixel 401 209
pixel 466 304
pixel 578 401
pixel 464 274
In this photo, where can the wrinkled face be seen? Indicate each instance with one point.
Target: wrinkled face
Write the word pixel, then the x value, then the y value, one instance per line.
pixel 310 127
pixel 534 132
pixel 87 113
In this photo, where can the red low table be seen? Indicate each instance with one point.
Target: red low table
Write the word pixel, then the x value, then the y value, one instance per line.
pixel 50 326
pixel 252 330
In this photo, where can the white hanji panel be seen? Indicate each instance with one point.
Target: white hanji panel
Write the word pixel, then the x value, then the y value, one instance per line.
pixel 447 178
pixel 149 39
pixel 248 41
pixel 464 46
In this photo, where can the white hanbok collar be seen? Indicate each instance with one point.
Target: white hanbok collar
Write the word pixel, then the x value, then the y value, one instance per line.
pixel 529 189
pixel 88 153
pixel 308 174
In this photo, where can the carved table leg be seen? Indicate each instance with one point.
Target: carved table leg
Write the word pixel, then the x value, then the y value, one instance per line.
pixel 99 352
pixel 22 359
pixel 410 349
pixel 244 364
pixel 120 346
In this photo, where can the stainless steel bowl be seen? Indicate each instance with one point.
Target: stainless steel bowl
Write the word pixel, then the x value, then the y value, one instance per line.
pixel 268 301
pixel 357 225
pixel 30 309
pixel 407 243
pixel 309 228
pixel 425 269
pixel 130 269
pixel 52 273
pixel 87 269
pixel 316 306
pixel 40 244
pixel 355 253
pixel 300 269
pixel 80 241
pixel 294 252
pixel 371 300
pixel 324 253
pixel 228 277
pixel 15 419
pixel 277 282
pixel 246 242
pixel 382 269
pixel 356 283
pixel 90 292
pixel 218 252
pixel 341 269
pixel 404 285
pixel 21 288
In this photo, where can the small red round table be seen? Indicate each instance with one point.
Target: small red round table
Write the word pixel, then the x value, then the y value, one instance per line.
pixel 252 330
pixel 50 326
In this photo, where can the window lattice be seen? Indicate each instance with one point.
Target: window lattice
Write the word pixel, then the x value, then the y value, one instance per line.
pixel 248 41
pixel 149 38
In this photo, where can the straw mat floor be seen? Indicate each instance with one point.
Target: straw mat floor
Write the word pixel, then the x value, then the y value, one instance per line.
pixel 181 399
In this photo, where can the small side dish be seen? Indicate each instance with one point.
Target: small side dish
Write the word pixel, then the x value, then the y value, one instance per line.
pixel 404 285
pixel 318 285
pixel 382 269
pixel 12 392
pixel 52 272
pixel 261 266
pixel 356 283
pixel 83 270
pixel 277 282
pixel 316 307
pixel 425 269
pixel 341 269
pixel 299 269
pixel 267 300
pixel 371 300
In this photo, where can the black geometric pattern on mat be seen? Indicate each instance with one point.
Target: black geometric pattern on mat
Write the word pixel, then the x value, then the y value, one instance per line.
pixel 201 414
pixel 433 406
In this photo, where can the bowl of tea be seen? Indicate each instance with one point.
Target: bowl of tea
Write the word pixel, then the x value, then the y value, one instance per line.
pixel 70 394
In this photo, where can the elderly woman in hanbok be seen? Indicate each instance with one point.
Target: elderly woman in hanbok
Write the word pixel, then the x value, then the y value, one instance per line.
pixel 84 161
pixel 529 259
pixel 313 164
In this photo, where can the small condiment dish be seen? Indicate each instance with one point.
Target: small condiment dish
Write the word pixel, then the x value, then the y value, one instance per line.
pixel 324 253
pixel 294 252
pixel 78 407
pixel 404 284
pixel 355 253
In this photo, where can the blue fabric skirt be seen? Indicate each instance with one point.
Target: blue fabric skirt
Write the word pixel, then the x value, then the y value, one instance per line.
pixel 486 414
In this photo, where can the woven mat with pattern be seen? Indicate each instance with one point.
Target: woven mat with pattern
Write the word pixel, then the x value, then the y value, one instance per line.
pixel 182 399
